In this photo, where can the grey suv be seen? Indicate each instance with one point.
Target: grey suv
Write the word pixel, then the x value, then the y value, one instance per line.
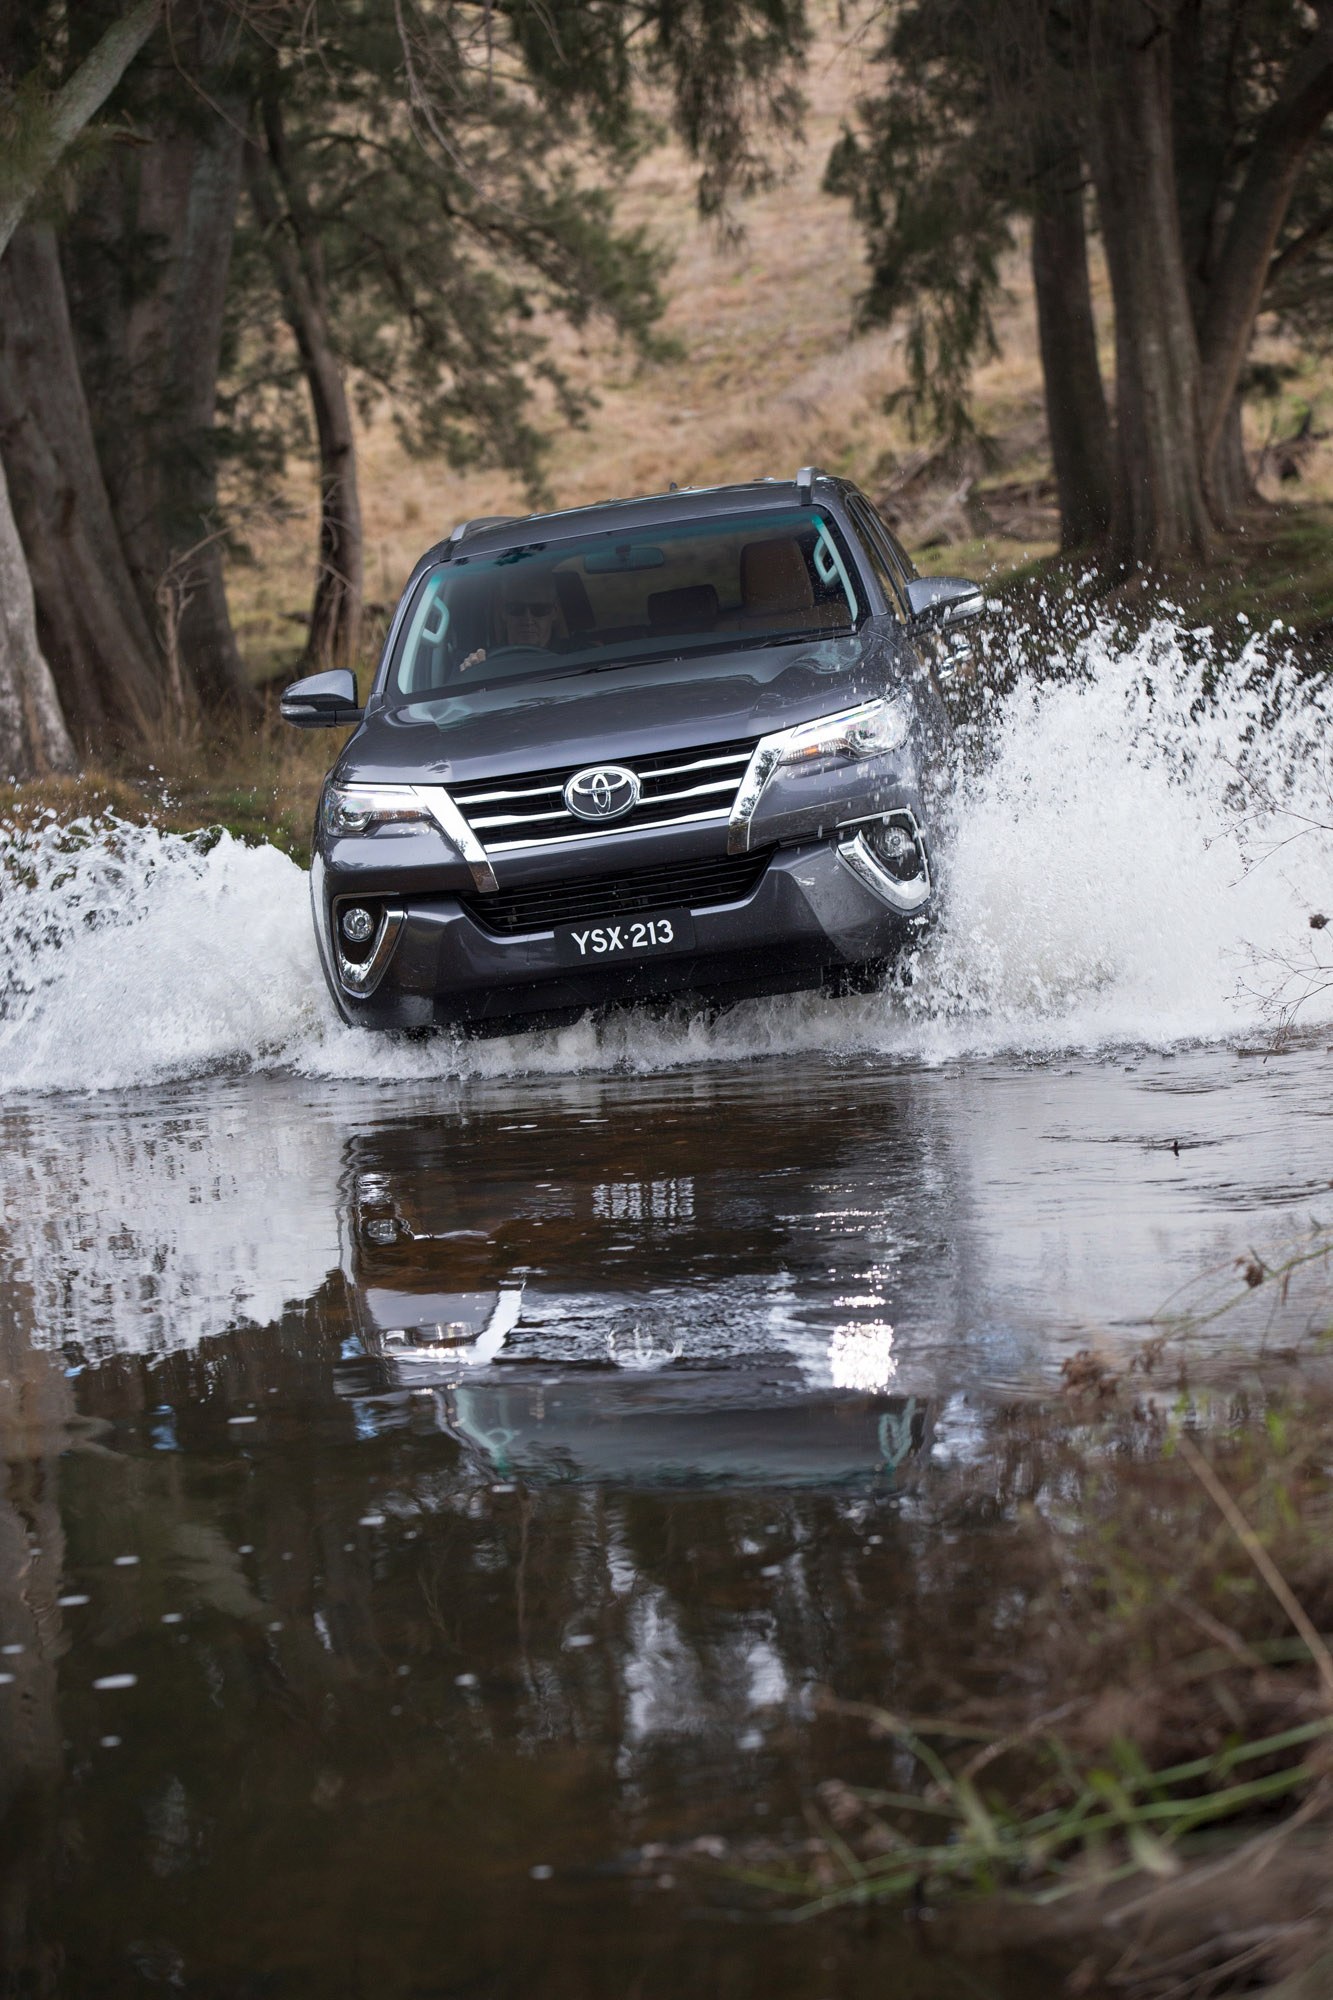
pixel 676 745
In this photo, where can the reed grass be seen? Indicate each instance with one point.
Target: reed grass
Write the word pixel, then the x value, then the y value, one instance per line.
pixel 1042 1809
pixel 1113 1820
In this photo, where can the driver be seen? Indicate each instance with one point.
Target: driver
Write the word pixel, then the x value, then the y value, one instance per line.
pixel 525 615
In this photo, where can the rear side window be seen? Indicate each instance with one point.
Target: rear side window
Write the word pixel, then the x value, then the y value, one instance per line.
pixel 906 567
pixel 884 552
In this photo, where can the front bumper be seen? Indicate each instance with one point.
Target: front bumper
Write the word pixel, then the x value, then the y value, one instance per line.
pixel 820 911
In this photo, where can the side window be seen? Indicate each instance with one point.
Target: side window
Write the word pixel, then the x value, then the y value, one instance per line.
pixel 873 537
pixel 906 567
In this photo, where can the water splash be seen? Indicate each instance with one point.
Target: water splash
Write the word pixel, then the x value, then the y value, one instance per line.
pixel 641 1354
pixel 1133 856
pixel 129 955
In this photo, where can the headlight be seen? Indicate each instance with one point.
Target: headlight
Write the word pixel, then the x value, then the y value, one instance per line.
pixel 869 731
pixel 360 808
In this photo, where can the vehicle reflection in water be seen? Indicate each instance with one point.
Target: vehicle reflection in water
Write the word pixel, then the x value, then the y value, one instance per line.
pixel 327 1640
pixel 641 1414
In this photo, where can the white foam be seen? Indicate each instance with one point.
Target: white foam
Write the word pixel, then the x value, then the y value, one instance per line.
pixel 130 956
pixel 1132 860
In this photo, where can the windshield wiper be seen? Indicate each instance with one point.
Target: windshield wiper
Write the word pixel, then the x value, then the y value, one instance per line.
pixel 734 645
pixel 635 660
pixel 792 638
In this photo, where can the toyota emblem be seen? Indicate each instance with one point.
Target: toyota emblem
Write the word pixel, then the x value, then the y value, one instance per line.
pixel 603 791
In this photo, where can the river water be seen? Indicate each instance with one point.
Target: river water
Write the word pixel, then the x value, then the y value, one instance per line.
pixel 445 1482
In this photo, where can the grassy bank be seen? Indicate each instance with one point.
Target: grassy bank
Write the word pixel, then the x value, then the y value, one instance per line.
pixel 262 785
pixel 1142 1775
pixel 1275 568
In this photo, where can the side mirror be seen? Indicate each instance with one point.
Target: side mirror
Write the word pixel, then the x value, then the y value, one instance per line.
pixel 322 701
pixel 944 600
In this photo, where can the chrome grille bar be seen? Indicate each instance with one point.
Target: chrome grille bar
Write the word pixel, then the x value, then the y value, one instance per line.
pixel 578 831
pixel 657 799
pixel 518 819
pixel 701 764
pixel 494 798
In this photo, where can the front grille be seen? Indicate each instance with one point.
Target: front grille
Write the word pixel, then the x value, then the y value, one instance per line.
pixel 717 878
pixel 528 809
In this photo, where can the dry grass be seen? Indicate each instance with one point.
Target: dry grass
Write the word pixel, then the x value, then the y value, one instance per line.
pixel 1150 1782
pixel 1151 1771
pixel 261 787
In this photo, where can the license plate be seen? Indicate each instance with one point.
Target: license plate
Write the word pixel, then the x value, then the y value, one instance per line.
pixel 611 940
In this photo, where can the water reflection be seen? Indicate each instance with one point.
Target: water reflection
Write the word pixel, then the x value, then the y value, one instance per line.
pixel 406 1493
pixel 902 1227
pixel 681 1430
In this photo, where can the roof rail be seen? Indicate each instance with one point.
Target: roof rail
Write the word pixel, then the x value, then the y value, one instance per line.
pixel 805 480
pixel 476 524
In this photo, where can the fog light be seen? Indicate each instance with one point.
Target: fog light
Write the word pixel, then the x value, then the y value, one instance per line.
pixel 897 850
pixel 358 926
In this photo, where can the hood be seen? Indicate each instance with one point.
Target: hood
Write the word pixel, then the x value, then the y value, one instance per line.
pixel 611 713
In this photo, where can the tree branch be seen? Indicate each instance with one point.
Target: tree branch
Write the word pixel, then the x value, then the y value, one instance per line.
pixel 1299 247
pixel 77 101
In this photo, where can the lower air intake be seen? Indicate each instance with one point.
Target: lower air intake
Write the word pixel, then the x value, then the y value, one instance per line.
pixel 683 884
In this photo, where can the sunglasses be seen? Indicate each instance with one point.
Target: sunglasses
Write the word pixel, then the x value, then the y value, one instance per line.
pixel 534 607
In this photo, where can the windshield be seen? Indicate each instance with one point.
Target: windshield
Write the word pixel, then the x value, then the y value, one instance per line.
pixel 611 601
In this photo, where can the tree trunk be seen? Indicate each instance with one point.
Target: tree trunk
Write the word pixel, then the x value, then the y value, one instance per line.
pixel 33 736
pixel 89 621
pixel 291 239
pixel 1076 417
pixel 146 266
pixel 1159 508
pixel 1232 484
pixel 1282 145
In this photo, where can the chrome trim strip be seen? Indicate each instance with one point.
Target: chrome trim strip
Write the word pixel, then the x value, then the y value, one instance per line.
pixel 504 1318
pixel 856 854
pixel 361 979
pixel 606 832
pixel 494 798
pixel 454 827
pixel 690 791
pixel 764 760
